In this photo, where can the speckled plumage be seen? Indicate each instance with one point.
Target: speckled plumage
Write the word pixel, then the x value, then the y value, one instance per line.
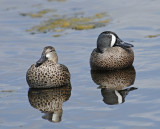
pixel 111 53
pixel 111 58
pixel 114 84
pixel 50 101
pixel 114 79
pixel 48 74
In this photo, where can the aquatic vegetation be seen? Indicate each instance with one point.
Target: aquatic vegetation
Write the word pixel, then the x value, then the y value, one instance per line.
pixel 53 22
pixel 153 36
pixel 38 14
pixel 59 23
pixel 7 91
pixel 83 27
pixel 56 35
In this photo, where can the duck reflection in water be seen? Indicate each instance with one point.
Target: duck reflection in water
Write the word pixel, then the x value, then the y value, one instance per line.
pixel 50 101
pixel 114 83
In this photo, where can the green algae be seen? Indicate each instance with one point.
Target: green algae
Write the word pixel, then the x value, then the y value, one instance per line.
pixel 153 36
pixel 57 23
pixel 83 27
pixel 38 14
pixel 56 35
pixel 7 91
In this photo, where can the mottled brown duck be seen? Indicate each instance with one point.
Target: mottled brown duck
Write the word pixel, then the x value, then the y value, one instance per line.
pixel 47 72
pixel 111 53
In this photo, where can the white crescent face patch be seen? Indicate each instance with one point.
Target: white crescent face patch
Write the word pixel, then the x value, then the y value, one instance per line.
pixel 113 41
pixel 48 55
pixel 55 117
pixel 120 100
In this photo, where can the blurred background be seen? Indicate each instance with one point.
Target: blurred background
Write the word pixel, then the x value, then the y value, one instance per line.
pixel 72 27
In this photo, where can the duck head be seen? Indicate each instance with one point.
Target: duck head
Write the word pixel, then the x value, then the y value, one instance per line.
pixel 110 39
pixel 49 53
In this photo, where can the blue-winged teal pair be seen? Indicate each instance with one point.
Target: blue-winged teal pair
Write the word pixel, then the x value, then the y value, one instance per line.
pixel 111 53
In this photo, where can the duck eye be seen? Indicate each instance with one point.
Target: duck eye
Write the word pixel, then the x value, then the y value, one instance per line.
pixel 50 51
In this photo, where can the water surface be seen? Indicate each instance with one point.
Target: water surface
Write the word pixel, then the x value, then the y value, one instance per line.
pixel 133 21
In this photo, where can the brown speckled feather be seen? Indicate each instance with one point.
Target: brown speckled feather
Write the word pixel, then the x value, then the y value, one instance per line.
pixel 49 100
pixel 48 75
pixel 112 58
pixel 114 79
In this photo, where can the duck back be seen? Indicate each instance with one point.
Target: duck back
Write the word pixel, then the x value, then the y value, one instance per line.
pixel 48 75
pixel 111 58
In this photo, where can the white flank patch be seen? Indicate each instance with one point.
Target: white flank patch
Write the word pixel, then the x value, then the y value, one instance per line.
pixel 119 97
pixel 113 41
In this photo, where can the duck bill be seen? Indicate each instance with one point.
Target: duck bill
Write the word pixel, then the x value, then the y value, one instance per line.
pixel 41 60
pixel 123 44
